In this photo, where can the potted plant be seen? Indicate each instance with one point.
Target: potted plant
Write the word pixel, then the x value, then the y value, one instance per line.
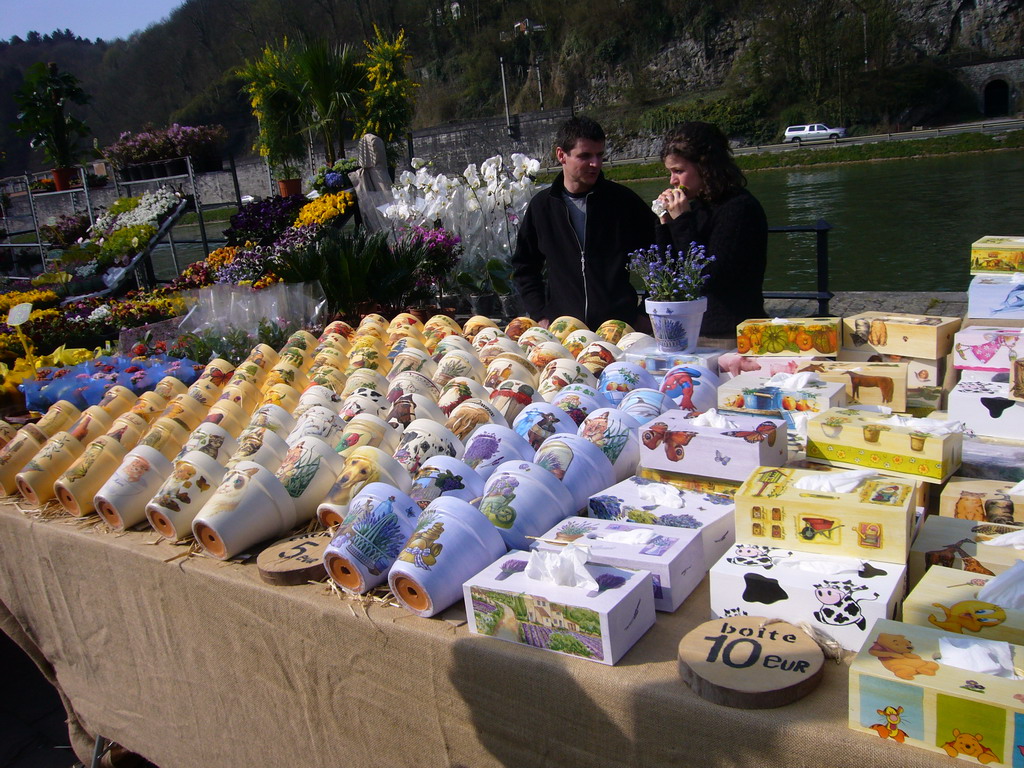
pixel 833 425
pixel 674 282
pixel 334 178
pixel 44 98
pixel 481 281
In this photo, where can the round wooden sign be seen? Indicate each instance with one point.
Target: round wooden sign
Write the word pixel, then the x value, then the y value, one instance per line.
pixel 297 560
pixel 737 662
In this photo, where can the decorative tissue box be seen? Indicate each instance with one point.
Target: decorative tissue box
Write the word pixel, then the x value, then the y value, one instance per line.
pixel 844 437
pixel 1000 297
pixel 987 348
pixel 732 364
pixel 644 501
pixel 866 383
pixel 657 362
pixel 921 371
pixel 957 543
pixel 899 334
pixel 750 393
pixel 997 253
pixel 987 501
pixel 789 336
pixel 986 408
pixel 899 691
pixel 599 625
pixel 672 443
pixel 840 596
pixel 674 556
pixel 947 599
pixel 874 520
pixel 690 482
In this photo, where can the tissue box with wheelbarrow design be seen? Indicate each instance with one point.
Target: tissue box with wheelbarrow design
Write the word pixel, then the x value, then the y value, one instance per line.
pixel 674 556
pixel 639 500
pixel 598 623
pixel 872 521
pixel 963 544
pixel 903 691
pixel 892 333
pixel 949 599
pixel 680 441
pixel 844 437
pixel 839 595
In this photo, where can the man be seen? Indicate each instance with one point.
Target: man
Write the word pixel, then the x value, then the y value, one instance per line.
pixel 572 250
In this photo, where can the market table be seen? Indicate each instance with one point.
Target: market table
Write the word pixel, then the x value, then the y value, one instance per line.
pixel 193 662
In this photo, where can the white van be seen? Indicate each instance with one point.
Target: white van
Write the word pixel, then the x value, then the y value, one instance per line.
pixel 812 131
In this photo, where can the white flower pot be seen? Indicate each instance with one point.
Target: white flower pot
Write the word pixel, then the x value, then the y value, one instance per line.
pixel 676 323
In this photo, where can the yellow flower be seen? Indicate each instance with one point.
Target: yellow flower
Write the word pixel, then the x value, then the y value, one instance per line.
pixel 325 208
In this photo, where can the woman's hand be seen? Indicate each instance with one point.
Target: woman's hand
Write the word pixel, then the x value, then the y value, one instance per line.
pixel 676 203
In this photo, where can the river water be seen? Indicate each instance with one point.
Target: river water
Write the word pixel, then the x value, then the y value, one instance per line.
pixel 898 225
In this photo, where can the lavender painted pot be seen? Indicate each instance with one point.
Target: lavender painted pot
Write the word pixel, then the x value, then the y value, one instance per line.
pixel 577 405
pixel 452 541
pixel 363 466
pixel 578 463
pixel 490 445
pixel 523 499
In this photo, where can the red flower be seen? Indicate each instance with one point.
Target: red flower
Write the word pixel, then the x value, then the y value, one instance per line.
pixel 139 349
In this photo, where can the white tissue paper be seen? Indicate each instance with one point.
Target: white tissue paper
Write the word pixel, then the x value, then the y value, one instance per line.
pixel 883 409
pixel 780 321
pixel 662 494
pixel 834 482
pixel 712 418
pixel 932 426
pixel 1007 589
pixel 1017 490
pixel 1017 277
pixel 820 566
pixel 658 208
pixel 793 380
pixel 637 537
pixel 565 567
pixel 1013 539
pixel 800 419
pixel 990 657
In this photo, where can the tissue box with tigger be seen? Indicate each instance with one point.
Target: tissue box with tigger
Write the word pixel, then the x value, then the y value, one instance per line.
pixel 558 602
pixel 674 556
pixel 724 446
pixel 923 449
pixel 859 514
pixel 970 604
pixel 841 596
pixel 970 545
pixel 939 691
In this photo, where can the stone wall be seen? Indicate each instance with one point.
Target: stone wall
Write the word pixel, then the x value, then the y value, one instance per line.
pixel 978 76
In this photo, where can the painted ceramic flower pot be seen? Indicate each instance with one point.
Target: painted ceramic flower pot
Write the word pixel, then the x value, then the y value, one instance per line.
pixel 629 339
pixel 169 387
pixel 511 397
pixel 399 341
pixel 283 395
pixel 228 415
pixel 522 499
pixel 566 324
pixel 186 410
pixel 76 488
pixel 363 466
pixel 243 393
pixel 410 383
pixel 486 336
pixel 470 414
pixel 621 377
pixel 578 463
pixel 363 401
pixel 379 522
pixel 517 326
pixel 218 371
pixel 457 363
pixel 260 445
pixel 328 377
pixel 285 372
pixel 317 422
pixel 339 326
pixel 335 358
pixel 458 391
pixel 451 344
pixel 307 473
pixel 613 330
pixel 273 417
pixel 407 408
pixel 365 379
pixel 490 445
pixel 412 359
pixel 57 417
pixel 184 493
pixel 452 541
pixel 560 373
pixel 334 341
pixel 588 390
pixel 212 440
pixel 148 406
pixel 691 387
pixel 17 453
pixel 122 500
pixel 577 405
pixel 509 366
pixel 262 355
pixel 534 336
pixel 249 506
pixel 117 400
pixel 676 323
pixel 367 357
pixel 598 355
pixel 577 341
pixel 317 394
pixel 166 436
pixel 542 354
pixel 646 404
pixel 423 439
pixel 445 476
pixel 36 479
pixel 366 429
pixel 205 392
pixel 540 421
pixel 617 434
pixel 475 324
pixel 405 319
pixel 495 349
pixel 93 422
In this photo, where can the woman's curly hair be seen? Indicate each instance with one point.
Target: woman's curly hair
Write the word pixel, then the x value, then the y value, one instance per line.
pixel 704 145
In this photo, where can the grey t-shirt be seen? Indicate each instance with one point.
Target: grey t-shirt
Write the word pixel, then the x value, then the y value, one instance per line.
pixel 577 207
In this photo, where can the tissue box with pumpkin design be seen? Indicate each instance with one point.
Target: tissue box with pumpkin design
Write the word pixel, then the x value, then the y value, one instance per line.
pixel 789 336
pixel 844 437
pixel 906 691
pixel 840 596
pixel 893 333
pixel 963 544
pixel 674 556
pixel 873 520
pixel 599 624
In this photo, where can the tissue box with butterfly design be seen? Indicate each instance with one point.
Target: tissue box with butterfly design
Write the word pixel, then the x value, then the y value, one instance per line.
pixel 963 544
pixel 948 599
pixel 674 556
pixel 845 437
pixel 841 596
pixel 673 442
pixel 905 691
pixel 599 624
pixel 872 521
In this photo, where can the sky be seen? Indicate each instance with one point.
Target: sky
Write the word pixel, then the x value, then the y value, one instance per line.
pixel 108 19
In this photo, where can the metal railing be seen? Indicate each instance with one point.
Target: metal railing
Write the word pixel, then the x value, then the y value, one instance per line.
pixel 822 295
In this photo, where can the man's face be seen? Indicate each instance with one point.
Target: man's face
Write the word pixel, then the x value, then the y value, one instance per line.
pixel 581 165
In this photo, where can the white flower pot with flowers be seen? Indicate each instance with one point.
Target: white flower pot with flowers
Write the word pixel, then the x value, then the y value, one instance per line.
pixel 674 281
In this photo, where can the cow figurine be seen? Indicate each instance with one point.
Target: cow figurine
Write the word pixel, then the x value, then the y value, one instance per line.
pixel 839 607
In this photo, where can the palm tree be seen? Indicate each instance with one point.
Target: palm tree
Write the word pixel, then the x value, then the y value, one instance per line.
pixel 330 85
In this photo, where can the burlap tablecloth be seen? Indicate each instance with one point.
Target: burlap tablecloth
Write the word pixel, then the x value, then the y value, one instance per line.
pixel 193 662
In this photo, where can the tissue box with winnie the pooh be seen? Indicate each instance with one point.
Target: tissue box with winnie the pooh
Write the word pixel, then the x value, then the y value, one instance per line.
pixel 599 621
pixel 904 688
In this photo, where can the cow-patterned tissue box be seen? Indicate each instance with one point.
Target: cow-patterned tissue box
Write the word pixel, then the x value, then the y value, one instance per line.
pixel 640 500
pixel 986 408
pixel 840 596
pixel 674 556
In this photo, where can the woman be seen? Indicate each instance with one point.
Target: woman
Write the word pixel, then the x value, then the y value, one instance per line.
pixel 708 204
